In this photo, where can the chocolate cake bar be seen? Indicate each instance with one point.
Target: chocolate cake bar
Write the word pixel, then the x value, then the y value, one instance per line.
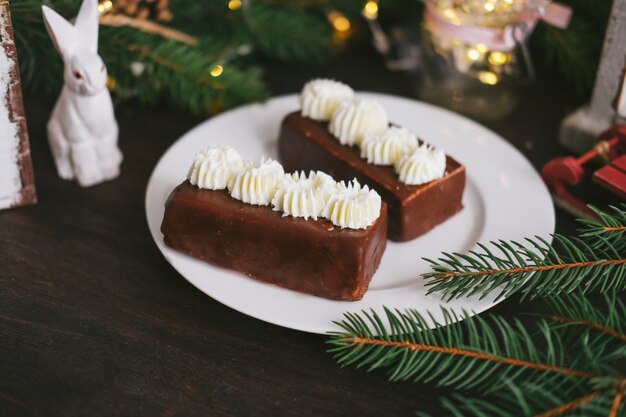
pixel 306 144
pixel 310 256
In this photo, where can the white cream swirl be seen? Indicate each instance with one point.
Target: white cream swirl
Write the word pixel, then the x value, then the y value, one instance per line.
pixel 302 196
pixel 320 97
pixel 213 168
pixel 353 118
pixel 424 164
pixel 387 146
pixel 352 206
pixel 257 183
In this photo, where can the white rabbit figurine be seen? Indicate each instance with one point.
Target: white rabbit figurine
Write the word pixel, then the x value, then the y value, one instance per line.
pixel 82 131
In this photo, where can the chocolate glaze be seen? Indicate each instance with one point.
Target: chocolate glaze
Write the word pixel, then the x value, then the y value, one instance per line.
pixel 306 144
pixel 310 256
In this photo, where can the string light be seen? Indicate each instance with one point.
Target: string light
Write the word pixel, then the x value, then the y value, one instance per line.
pixel 473 54
pixel 105 6
pixel 498 58
pixel 482 48
pixel 449 13
pixel 340 22
pixel 216 71
pixel 498 12
pixel 370 10
pixel 111 83
pixel 488 77
pixel 234 4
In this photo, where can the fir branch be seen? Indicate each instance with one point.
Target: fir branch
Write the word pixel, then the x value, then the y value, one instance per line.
pixel 577 311
pixel 464 355
pixel 534 269
pixel 508 371
pixel 575 317
pixel 289 33
pixel 616 404
pixel 178 73
pixel 574 404
pixel 576 50
pixel 609 230
pixel 591 325
pixel 412 347
pixel 530 400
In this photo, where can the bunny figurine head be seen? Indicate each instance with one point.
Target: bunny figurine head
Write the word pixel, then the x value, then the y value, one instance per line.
pixel 77 44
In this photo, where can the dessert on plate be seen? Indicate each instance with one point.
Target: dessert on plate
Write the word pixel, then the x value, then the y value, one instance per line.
pixel 351 137
pixel 304 232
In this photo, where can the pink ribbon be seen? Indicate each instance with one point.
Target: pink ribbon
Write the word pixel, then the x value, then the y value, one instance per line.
pixel 505 39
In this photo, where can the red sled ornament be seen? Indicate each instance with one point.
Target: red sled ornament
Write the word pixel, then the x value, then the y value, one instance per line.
pixel 562 173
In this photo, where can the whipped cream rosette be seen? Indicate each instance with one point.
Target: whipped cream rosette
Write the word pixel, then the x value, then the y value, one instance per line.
pixel 319 98
pixel 214 168
pixel 301 196
pixel 426 163
pixel 353 118
pixel 385 147
pixel 353 206
pixel 257 182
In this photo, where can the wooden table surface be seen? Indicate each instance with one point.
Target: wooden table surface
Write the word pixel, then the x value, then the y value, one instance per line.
pixel 95 322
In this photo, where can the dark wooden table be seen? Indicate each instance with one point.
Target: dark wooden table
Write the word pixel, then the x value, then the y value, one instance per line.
pixel 94 321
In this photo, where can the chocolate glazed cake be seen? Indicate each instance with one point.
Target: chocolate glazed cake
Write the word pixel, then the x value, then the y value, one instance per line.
pixel 307 144
pixel 310 256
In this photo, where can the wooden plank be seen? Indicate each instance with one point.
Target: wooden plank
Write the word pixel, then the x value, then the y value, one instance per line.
pixel 17 182
pixel 611 68
pixel 612 179
pixel 620 163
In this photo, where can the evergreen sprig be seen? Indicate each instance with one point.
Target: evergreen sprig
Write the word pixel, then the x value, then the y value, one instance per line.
pixel 605 329
pixel 596 261
pixel 174 72
pixel 572 363
pixel 609 230
pixel 527 399
pixel 576 50
pixel 289 30
pixel 508 368
pixel 464 355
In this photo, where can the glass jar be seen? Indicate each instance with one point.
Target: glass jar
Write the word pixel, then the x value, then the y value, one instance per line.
pixel 474 55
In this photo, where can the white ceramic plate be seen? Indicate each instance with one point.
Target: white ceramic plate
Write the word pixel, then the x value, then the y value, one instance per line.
pixel 504 199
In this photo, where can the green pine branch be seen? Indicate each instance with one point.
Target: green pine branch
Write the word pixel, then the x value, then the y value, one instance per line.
pixel 538 268
pixel 533 269
pixel 575 51
pixel 604 330
pixel 577 311
pixel 289 33
pixel 609 230
pixel 527 399
pixel 176 73
pixel 503 367
pixel 464 355
pixel 288 30
pixel 179 74
pixel 572 363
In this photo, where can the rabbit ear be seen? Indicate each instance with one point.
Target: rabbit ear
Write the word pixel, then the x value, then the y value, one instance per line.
pixel 87 24
pixel 61 31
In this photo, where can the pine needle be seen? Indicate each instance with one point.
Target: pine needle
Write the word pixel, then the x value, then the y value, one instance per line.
pixel 507 369
pixel 178 73
pixel 594 262
pixel 463 355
